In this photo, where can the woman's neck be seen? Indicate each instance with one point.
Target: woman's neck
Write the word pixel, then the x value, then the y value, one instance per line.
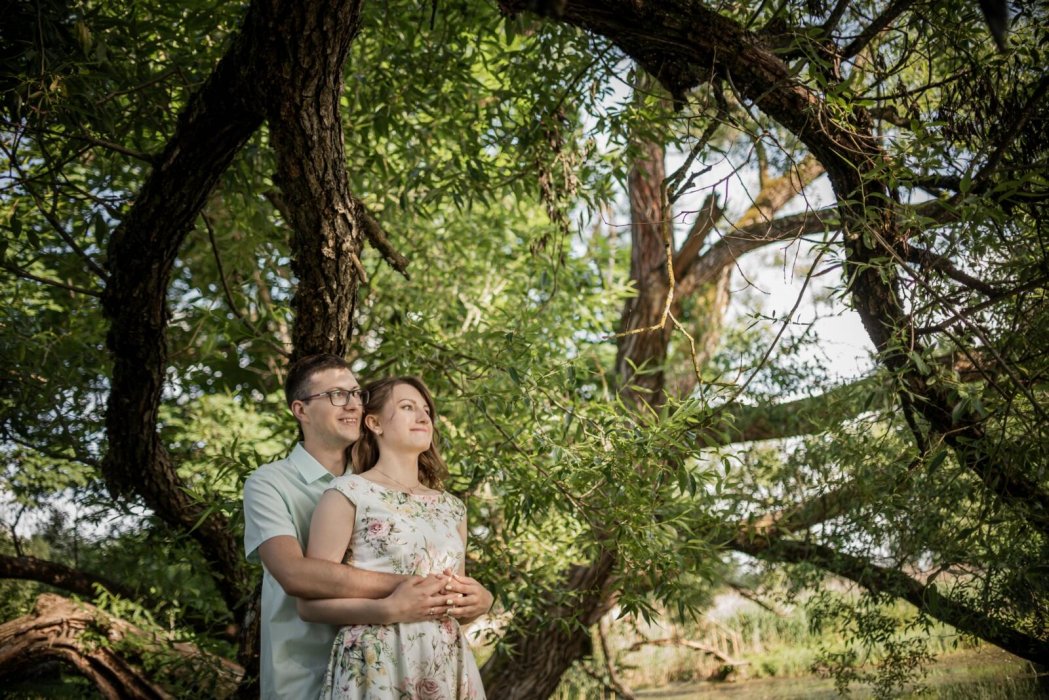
pixel 403 468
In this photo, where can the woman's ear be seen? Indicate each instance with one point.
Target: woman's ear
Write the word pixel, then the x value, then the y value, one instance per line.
pixel 372 423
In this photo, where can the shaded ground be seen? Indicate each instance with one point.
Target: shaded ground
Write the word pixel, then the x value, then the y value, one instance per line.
pixel 982 674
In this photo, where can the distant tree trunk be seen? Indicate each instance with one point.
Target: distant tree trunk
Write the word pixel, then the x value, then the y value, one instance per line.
pixel 537 657
pixel 642 349
pixel 530 662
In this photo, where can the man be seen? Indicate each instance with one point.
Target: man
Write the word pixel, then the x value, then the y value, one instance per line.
pixel 279 499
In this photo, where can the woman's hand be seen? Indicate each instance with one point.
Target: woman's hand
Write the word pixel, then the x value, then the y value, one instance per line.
pixel 417 599
pixel 464 597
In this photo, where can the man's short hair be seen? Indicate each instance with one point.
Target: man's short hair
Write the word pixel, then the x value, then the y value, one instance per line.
pixel 297 383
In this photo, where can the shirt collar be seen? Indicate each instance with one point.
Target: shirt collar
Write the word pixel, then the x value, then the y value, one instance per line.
pixel 307 466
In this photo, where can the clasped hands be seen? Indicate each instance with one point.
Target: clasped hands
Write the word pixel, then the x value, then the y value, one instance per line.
pixel 437 595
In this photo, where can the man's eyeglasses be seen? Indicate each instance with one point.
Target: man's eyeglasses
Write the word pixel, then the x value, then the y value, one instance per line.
pixel 340 397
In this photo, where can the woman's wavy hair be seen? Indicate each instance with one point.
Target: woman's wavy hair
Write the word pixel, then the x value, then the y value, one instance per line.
pixel 432 469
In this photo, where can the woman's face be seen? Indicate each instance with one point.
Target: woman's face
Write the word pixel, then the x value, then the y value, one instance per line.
pixel 404 423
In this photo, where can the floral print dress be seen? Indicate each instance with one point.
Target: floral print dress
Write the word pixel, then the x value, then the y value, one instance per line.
pixel 402 533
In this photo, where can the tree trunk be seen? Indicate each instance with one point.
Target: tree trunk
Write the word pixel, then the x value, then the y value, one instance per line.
pixel 285 64
pixel 327 223
pixel 529 663
pixel 642 346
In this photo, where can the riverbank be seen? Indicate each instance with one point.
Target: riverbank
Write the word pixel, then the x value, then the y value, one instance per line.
pixel 984 673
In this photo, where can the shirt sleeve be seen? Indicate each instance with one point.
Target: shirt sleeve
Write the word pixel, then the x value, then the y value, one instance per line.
pixel 266 515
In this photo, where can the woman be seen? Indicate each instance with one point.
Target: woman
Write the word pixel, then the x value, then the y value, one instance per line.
pixel 391 515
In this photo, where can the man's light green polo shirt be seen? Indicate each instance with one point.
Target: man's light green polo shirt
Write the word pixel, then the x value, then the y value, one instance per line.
pixel 279 499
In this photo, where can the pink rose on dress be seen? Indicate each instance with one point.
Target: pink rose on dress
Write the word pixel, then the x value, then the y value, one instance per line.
pixel 378 528
pixel 427 689
pixel 449 628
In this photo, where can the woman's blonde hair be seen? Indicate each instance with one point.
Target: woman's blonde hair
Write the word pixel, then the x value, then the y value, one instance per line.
pixel 432 470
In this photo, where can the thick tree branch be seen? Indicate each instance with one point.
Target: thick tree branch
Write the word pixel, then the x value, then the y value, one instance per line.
pixel 85 584
pixel 734 245
pixel 212 128
pixel 109 652
pixel 61 576
pixel 807 416
pixel 776 192
pixel 890 581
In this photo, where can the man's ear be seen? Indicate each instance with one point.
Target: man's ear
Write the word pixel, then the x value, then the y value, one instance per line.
pixel 298 409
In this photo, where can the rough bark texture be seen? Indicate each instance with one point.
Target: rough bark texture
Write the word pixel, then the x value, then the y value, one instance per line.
pixel 98 647
pixel 306 132
pixel 60 576
pixel 285 65
pixel 642 348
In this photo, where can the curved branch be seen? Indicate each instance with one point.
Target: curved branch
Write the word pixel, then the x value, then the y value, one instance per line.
pixel 925 597
pixel 108 651
pixel 741 241
pixel 61 576
pixel 807 416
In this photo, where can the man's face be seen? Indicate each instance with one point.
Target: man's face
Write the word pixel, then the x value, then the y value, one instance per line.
pixel 323 423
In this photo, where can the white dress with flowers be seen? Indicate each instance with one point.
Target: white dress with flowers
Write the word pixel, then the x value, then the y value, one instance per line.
pixel 410 534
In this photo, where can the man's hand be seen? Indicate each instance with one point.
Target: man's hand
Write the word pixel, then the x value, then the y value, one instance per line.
pixel 464 597
pixel 416 599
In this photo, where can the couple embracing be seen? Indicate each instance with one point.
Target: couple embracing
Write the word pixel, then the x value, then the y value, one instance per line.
pixel 365 588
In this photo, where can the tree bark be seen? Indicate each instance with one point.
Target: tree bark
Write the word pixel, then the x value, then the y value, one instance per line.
pixel 308 54
pixel 642 347
pixel 284 65
pixel 529 663
pixel 97 646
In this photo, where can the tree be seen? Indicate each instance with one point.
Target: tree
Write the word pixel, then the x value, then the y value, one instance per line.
pixel 593 470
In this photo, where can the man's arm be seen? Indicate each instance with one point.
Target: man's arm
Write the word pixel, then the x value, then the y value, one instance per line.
pixel 414 600
pixel 304 577
pixel 270 532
